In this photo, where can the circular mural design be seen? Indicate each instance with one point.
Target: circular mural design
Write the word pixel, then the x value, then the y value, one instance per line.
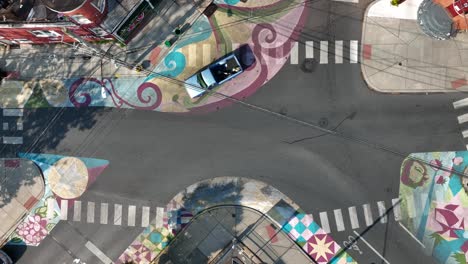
pixel 68 178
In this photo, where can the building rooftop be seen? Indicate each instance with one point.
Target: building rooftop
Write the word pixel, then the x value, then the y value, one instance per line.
pixel 63 5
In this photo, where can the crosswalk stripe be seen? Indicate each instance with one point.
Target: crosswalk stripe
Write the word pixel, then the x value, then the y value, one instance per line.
pixel 206 54
pixel 367 214
pixel 309 49
pixel 131 215
pixel 192 55
pixel 353 217
pixel 104 213
pixel 50 208
pixel 77 211
pixel 410 206
pixel 396 209
pixel 159 217
pixel 460 103
pixel 90 212
pixel 145 216
pixel 338 51
pixel 12 112
pixel 324 222
pixel 294 57
pixel 339 220
pixel 64 209
pixel 19 126
pixel 462 119
pixel 323 52
pixel 382 210
pixel 117 214
pixel 465 133
pixel 353 51
pixel 13 140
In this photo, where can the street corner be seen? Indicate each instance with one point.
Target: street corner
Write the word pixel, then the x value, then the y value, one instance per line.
pixel 66 179
pixel 434 203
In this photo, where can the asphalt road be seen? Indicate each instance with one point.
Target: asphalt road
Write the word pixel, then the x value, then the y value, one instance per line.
pixel 154 155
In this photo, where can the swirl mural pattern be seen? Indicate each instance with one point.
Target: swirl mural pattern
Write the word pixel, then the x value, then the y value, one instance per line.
pixel 208 39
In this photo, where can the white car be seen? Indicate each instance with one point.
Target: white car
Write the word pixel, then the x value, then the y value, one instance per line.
pixel 215 74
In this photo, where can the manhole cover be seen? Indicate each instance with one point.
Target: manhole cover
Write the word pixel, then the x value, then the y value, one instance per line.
pixel 323 122
pixel 308 65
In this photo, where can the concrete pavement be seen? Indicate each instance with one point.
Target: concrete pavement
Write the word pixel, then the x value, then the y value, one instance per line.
pixel 397 57
pixel 99 83
pixel 239 192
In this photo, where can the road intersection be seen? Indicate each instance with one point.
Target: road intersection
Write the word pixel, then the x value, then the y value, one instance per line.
pixel 344 184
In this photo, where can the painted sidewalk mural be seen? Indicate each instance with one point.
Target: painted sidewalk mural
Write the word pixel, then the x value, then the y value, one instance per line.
pixel 65 178
pixel 434 203
pixel 269 45
pixel 235 191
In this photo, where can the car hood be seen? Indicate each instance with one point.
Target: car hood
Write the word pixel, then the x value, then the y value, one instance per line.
pixel 193 87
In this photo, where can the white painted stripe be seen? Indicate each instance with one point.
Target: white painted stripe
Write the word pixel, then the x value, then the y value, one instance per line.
pixel 131 215
pixel 104 213
pixel 117 214
pixel 12 112
pixel 465 133
pixel 367 214
pixel 206 54
pixel 159 217
pixel 19 126
pixel 353 217
pixel 294 57
pixel 339 220
pixel 353 51
pixel 369 245
pixel 411 234
pixel 309 49
pixel 323 52
pixel 145 216
pixel 5 126
pixel 347 1
pixel 64 209
pixel 410 206
pixel 460 103
pixel 396 209
pixel 382 210
pixel 50 208
pixel 324 222
pixel 462 119
pixel 77 211
pixel 99 254
pixel 13 140
pixel 467 146
pixel 339 52
pixel 90 212
pixel 192 55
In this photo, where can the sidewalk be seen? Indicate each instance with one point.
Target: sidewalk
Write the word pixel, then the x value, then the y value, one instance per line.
pixel 286 215
pixel 22 186
pixel 86 84
pixel 397 57
pixel 434 203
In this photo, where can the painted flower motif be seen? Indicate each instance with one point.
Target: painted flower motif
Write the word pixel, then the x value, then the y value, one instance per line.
pixel 32 230
pixel 441 180
pixel 457 161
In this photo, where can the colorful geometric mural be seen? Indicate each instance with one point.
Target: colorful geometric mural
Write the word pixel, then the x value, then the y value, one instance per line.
pixel 269 42
pixel 235 191
pixel 65 178
pixel 434 203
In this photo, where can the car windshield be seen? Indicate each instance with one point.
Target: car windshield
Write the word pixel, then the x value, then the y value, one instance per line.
pixel 201 81
pixel 225 69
